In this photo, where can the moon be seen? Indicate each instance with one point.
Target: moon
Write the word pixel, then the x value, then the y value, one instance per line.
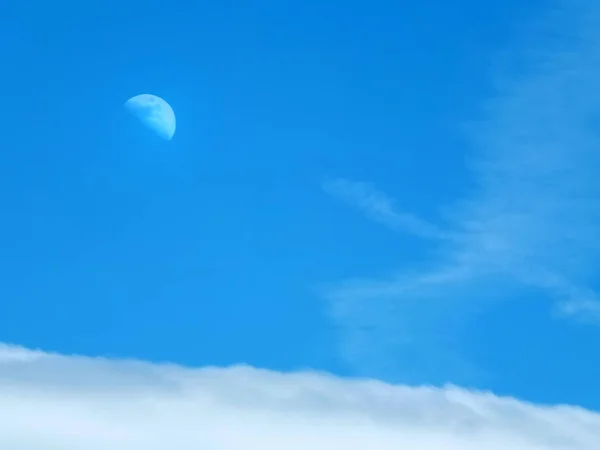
pixel 154 112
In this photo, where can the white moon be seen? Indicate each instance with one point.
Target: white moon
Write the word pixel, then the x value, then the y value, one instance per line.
pixel 153 112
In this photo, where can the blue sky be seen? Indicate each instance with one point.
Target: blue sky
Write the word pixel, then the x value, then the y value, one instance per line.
pixel 395 191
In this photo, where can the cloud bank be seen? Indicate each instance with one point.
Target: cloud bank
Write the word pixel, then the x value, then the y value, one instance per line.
pixel 530 223
pixel 57 402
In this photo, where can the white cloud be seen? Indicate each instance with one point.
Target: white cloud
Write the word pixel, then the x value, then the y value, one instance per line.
pixel 55 402
pixel 531 222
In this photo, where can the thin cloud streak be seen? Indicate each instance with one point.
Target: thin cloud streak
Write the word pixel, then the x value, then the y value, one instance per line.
pixel 58 402
pixel 381 208
pixel 533 219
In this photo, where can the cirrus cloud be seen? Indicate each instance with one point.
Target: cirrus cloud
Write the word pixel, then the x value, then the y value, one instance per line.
pixel 529 225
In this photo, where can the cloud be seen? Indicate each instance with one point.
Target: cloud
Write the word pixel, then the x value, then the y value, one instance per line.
pixel 530 223
pixel 58 402
pixel 380 207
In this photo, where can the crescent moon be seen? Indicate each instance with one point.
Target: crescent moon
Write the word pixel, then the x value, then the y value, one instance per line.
pixel 154 112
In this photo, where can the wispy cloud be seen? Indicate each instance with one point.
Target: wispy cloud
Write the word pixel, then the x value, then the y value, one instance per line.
pixel 60 402
pixel 380 207
pixel 533 218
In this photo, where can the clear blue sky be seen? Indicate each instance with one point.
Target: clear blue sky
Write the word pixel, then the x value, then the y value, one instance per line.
pixel 226 245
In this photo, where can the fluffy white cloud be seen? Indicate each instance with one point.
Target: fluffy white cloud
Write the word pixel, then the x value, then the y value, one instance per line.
pixel 55 402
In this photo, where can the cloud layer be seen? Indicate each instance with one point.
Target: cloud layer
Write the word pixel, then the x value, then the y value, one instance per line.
pixel 56 402
pixel 530 223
